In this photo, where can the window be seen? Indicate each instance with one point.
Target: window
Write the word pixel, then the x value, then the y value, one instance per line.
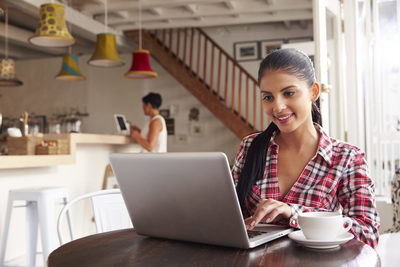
pixel 384 96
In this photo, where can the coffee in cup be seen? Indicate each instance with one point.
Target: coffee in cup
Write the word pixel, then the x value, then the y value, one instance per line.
pixel 323 225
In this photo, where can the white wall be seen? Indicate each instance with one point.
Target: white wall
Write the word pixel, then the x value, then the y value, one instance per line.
pixel 106 91
pixel 228 36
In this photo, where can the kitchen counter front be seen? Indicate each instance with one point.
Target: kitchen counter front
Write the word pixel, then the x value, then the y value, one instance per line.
pixel 80 171
pixel 74 140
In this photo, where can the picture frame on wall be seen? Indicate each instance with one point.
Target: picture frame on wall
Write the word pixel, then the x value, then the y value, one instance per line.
pixel 165 113
pixel 170 124
pixel 300 39
pixel 246 51
pixel 196 128
pixel 269 46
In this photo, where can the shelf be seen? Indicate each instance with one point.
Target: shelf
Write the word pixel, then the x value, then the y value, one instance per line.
pixel 29 161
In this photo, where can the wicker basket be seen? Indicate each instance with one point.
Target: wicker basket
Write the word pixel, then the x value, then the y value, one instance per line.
pixel 46 150
pixel 61 147
pixel 23 145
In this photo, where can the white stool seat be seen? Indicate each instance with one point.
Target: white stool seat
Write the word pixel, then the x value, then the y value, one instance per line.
pixel 33 194
pixel 40 214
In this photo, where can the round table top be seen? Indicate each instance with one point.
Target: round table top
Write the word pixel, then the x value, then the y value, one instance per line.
pixel 126 248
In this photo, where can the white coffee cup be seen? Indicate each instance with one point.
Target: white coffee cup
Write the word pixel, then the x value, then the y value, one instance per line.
pixel 323 225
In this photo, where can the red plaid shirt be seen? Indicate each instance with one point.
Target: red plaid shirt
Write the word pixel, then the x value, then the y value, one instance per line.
pixel 335 179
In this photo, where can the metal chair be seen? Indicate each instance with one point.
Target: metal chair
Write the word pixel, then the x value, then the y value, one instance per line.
pixel 109 210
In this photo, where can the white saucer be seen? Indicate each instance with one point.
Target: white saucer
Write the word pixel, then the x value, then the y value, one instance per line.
pixel 320 244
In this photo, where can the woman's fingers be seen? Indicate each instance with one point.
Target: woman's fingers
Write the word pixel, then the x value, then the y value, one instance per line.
pixel 279 210
pixel 248 221
pixel 263 210
pixel 267 210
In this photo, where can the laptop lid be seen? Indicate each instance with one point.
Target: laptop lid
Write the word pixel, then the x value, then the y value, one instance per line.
pixel 184 196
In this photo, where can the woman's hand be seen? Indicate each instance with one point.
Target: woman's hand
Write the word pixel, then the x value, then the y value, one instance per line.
pixel 267 211
pixel 135 133
pixel 135 128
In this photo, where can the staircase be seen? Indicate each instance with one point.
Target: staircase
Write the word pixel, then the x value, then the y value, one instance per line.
pixel 210 74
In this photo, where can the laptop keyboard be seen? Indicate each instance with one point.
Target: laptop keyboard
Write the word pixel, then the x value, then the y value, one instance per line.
pixel 252 234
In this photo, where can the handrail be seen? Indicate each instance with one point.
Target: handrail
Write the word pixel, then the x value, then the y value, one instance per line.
pixel 228 80
pixel 227 55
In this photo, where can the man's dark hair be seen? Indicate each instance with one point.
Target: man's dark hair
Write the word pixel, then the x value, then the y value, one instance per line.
pixel 154 99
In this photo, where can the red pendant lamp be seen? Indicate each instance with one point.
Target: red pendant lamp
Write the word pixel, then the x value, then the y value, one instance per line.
pixel 140 69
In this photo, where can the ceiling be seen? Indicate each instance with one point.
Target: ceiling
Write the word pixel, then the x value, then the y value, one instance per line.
pixel 86 19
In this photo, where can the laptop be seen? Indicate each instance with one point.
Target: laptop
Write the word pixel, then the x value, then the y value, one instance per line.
pixel 188 197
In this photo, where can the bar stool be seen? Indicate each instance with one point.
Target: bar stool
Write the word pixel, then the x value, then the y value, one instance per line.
pixel 40 213
pixel 109 180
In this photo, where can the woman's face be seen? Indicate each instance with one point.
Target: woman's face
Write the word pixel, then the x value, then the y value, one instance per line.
pixel 146 108
pixel 287 100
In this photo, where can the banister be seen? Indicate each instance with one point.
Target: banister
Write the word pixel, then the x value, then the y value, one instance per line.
pixel 200 64
pixel 227 55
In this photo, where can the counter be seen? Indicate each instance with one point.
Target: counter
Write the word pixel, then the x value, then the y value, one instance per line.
pixel 75 139
pixel 81 171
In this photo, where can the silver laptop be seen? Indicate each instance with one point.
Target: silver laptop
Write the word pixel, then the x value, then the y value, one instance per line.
pixel 186 196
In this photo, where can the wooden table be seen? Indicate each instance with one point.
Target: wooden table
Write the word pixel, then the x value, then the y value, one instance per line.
pixel 126 248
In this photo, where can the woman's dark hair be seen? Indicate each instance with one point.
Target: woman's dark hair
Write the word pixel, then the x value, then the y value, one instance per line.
pixel 154 99
pixel 293 62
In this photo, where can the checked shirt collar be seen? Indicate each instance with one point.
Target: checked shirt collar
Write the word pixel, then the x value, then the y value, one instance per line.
pixel 324 146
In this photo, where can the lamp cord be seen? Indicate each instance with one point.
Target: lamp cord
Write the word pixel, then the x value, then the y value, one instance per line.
pixel 140 25
pixel 106 16
pixel 6 32
pixel 69 26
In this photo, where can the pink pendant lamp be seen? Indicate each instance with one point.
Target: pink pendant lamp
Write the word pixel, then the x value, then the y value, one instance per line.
pixel 140 69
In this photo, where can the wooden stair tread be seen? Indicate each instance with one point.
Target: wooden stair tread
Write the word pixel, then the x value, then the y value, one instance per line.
pixel 195 85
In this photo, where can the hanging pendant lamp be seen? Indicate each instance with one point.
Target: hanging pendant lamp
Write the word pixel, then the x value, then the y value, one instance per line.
pixel 70 69
pixel 7 73
pixel 106 53
pixel 7 65
pixel 52 30
pixel 140 68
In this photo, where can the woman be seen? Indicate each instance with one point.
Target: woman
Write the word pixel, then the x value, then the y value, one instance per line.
pixel 153 137
pixel 294 166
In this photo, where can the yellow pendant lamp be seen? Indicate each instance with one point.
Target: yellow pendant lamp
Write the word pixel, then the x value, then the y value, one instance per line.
pixel 52 30
pixel 7 65
pixel 140 69
pixel 70 69
pixel 106 53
